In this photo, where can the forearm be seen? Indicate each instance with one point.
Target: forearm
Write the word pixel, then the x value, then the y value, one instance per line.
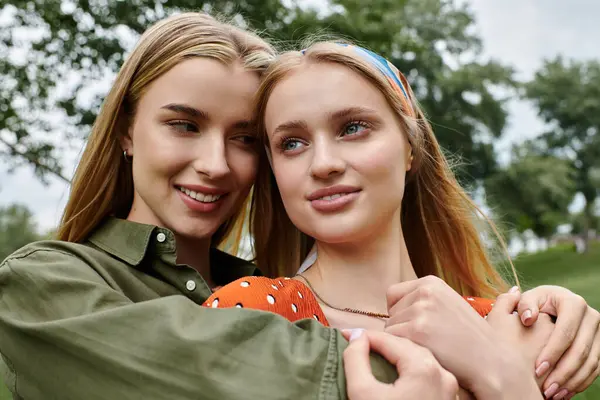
pixel 105 346
pixel 505 384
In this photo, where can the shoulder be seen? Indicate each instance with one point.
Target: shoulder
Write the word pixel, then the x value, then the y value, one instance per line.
pixel 48 250
pixel 53 257
pixel 250 288
pixel 284 296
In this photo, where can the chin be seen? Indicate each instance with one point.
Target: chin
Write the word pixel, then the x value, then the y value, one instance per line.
pixel 336 234
pixel 193 229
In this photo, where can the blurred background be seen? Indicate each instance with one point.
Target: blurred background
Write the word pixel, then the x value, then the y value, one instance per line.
pixel 512 89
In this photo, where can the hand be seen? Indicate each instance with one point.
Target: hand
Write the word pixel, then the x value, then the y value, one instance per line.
pixel 420 376
pixel 573 351
pixel 431 314
pixel 528 341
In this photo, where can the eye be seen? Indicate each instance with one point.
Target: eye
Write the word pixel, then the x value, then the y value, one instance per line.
pixel 291 144
pixel 183 126
pixel 246 139
pixel 354 128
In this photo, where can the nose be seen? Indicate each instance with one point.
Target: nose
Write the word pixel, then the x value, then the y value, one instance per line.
pixel 211 159
pixel 326 161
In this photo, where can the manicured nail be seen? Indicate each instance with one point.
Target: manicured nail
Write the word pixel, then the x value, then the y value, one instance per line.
pixel 356 333
pixel 561 395
pixel 551 390
pixel 526 316
pixel 542 369
pixel 514 289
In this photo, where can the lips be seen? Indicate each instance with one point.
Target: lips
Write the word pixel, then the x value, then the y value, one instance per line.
pixel 333 199
pixel 332 192
pixel 203 194
pixel 199 196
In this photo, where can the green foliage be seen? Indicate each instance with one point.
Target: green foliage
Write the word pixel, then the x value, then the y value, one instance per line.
pixel 533 192
pixel 567 95
pixel 17 229
pixel 579 222
pixel 74 45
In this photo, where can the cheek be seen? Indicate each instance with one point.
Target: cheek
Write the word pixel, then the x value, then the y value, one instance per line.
pixel 159 149
pixel 290 176
pixel 244 165
pixel 382 164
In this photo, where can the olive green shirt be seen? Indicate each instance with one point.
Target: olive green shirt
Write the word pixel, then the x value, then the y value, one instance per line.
pixel 117 318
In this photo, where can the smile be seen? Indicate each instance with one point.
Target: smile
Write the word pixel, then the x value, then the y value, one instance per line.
pixel 201 197
pixel 333 197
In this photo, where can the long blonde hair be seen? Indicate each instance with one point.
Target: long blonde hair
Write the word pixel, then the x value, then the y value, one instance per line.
pixel 438 217
pixel 103 183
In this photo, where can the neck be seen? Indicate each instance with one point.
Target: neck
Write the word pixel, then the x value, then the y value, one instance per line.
pixel 358 275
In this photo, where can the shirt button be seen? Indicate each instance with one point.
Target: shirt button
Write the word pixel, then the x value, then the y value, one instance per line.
pixel 161 237
pixel 190 285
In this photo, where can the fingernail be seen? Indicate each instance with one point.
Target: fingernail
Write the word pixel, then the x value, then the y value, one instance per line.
pixel 514 289
pixel 542 369
pixel 551 390
pixel 526 316
pixel 561 395
pixel 356 333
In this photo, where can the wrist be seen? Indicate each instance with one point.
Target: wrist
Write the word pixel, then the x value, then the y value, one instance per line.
pixel 506 379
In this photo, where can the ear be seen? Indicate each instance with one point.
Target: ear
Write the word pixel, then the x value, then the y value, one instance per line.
pixel 409 159
pixel 126 142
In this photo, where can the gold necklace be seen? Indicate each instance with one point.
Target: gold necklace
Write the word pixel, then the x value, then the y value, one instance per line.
pixel 348 310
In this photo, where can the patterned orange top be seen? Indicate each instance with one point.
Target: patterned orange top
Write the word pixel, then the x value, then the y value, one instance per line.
pixel 289 298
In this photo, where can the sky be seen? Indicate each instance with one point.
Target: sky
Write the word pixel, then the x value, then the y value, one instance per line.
pixel 519 33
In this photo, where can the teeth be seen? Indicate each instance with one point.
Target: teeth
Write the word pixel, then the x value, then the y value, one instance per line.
pixel 204 198
pixel 333 197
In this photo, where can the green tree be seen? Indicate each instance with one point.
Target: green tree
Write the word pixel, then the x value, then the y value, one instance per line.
pixel 580 224
pixel 567 96
pixel 533 192
pixel 73 44
pixel 17 229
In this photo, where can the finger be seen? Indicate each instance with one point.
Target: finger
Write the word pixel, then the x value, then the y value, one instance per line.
pixel 589 359
pixel 396 292
pixel 506 303
pixel 397 350
pixel 403 310
pixel 588 382
pixel 570 311
pixel 530 304
pixel 357 365
pixel 348 333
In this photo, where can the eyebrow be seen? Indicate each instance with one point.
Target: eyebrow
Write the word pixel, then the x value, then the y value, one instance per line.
pixel 199 114
pixel 336 115
pixel 185 109
pixel 290 126
pixel 346 112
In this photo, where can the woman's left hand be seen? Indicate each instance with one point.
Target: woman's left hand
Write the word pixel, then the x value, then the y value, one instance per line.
pixel 431 314
pixel 573 350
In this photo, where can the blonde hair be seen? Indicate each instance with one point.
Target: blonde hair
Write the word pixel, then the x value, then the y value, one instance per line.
pixel 438 217
pixel 103 183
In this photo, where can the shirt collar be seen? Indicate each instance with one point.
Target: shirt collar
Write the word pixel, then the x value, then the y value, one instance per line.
pixel 131 241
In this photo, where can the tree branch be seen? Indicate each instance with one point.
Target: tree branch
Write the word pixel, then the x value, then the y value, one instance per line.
pixel 34 161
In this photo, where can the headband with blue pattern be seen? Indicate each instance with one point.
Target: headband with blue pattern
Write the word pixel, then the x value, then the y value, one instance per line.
pixel 388 69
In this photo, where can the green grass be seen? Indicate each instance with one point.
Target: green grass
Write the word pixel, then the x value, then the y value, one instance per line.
pixel 562 266
pixel 557 266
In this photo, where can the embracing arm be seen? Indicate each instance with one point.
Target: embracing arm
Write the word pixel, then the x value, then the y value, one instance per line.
pixel 65 332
